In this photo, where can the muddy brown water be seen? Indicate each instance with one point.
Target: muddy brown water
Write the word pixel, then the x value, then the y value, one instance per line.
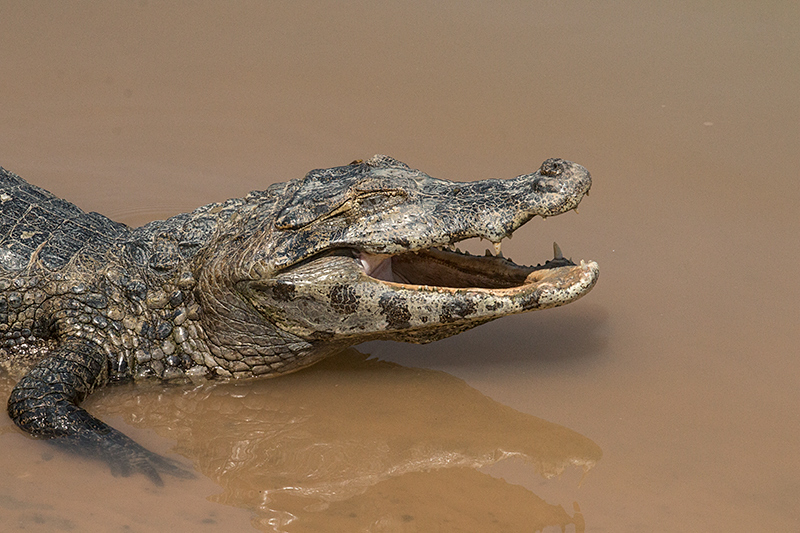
pixel 666 400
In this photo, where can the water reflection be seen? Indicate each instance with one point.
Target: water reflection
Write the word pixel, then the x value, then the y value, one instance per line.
pixel 360 444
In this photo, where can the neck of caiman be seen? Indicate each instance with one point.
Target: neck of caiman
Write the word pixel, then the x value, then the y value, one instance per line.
pixel 164 245
pixel 202 251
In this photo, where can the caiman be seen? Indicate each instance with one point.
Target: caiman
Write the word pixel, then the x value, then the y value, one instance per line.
pixel 258 286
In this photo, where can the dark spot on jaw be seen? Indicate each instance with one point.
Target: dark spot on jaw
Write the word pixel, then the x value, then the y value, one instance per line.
pixel 395 310
pixel 530 301
pixel 283 292
pixel 344 299
pixel 458 310
pixel 493 306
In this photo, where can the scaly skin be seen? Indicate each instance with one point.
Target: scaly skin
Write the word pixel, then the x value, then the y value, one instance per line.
pixel 261 285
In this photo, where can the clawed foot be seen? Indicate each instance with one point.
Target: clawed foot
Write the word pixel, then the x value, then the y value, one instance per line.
pixel 152 465
pixel 123 455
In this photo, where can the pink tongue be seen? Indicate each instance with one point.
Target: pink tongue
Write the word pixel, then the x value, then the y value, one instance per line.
pixel 377 266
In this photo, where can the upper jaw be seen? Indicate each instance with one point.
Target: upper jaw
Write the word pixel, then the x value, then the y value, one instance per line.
pixel 430 212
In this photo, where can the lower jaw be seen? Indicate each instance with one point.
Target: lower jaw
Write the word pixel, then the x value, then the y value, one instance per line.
pixel 553 277
pixel 424 313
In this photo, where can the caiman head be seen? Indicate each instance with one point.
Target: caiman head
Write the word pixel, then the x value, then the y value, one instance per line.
pixel 364 252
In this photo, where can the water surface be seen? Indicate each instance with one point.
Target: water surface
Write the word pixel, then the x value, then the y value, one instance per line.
pixel 677 377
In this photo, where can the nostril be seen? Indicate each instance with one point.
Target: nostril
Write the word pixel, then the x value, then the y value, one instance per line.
pixel 552 167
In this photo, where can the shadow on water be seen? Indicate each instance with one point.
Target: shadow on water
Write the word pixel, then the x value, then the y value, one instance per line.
pixel 355 443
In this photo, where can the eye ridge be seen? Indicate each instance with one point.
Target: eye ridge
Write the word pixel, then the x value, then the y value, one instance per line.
pixel 371 199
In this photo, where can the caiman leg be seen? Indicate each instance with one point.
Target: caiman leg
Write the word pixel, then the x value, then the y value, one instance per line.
pixel 45 404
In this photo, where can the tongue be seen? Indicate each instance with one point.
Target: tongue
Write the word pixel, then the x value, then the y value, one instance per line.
pixel 377 266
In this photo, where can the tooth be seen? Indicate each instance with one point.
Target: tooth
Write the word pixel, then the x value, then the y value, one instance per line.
pixel 583 265
pixel 576 210
pixel 500 254
pixel 497 247
pixel 458 250
pixel 557 251
pixel 488 253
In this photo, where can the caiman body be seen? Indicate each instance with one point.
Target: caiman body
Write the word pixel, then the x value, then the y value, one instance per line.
pixel 261 285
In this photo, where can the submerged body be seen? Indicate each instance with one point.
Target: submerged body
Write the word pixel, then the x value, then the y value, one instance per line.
pixel 261 285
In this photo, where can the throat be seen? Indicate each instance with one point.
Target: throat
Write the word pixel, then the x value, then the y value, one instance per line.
pixel 438 268
pixel 379 266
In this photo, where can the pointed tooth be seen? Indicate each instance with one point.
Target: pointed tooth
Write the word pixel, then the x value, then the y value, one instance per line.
pixel 557 251
pixel 576 210
pixel 497 246
pixel 500 254
pixel 458 250
pixel 488 253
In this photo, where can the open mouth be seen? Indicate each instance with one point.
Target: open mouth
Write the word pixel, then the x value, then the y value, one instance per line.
pixel 414 296
pixel 453 269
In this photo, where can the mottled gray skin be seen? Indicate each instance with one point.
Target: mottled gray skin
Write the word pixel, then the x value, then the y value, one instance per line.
pixel 261 285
